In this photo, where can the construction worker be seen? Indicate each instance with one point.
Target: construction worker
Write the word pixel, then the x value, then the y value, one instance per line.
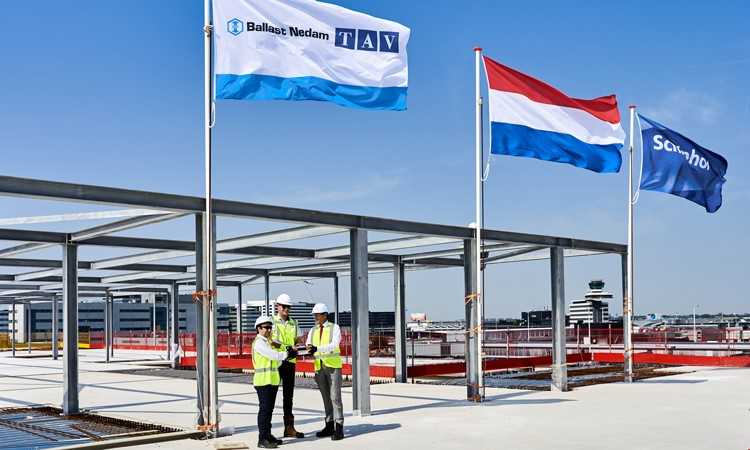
pixel 266 378
pixel 323 342
pixel 286 335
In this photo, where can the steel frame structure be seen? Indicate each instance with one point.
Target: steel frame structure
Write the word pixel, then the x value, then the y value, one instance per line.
pixel 258 261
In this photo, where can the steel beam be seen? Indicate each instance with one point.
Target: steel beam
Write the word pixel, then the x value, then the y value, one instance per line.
pixel 360 322
pixel 78 216
pixel 106 195
pixel 122 225
pixel 399 293
pixel 70 328
pixel 23 248
pixel 513 253
pixel 473 392
pixel 559 363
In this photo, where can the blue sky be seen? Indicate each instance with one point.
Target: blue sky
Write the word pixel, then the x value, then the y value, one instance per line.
pixel 111 93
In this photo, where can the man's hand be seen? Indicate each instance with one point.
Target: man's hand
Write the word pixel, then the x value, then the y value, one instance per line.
pixel 312 349
pixel 292 353
pixel 275 344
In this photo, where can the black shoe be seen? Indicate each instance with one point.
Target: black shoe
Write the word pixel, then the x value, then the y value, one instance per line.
pixel 338 433
pixel 276 440
pixel 327 431
pixel 265 443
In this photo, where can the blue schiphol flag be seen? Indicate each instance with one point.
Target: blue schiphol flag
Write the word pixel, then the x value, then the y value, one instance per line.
pixel 676 165
pixel 309 50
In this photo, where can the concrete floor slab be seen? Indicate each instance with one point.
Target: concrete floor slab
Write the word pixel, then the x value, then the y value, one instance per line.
pixel 705 408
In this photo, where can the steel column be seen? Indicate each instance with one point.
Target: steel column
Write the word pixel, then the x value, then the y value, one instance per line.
pixel 267 286
pixel 70 328
pixel 107 326
pixel 627 323
pixel 470 314
pixel 14 327
pixel 27 316
pixel 360 322
pixel 559 367
pixel 239 317
pixel 200 367
pixel 336 298
pixel 55 328
pixel 174 330
pixel 399 293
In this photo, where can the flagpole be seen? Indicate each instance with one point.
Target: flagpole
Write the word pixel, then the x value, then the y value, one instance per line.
pixel 628 301
pixel 209 238
pixel 478 188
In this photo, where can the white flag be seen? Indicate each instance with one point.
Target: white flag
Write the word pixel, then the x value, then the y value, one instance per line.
pixel 308 50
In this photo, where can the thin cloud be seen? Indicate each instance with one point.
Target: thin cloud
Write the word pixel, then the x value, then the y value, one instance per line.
pixel 683 107
pixel 368 187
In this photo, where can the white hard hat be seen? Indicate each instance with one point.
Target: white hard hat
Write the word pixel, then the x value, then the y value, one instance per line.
pixel 320 308
pixel 284 299
pixel 262 319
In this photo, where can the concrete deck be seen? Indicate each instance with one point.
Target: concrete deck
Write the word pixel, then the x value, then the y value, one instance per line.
pixel 708 408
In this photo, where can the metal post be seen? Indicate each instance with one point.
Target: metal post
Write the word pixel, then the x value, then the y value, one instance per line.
pixel 478 243
pixel 336 298
pixel 559 360
pixel 627 314
pixel 399 293
pixel 209 319
pixel 360 322
pixel 200 369
pixel 70 328
pixel 112 329
pixel 627 349
pixel 470 311
pixel 14 327
pixel 55 328
pixel 267 286
pixel 174 329
pixel 107 326
pixel 239 316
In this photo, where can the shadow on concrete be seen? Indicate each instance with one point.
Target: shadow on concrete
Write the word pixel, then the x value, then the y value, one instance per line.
pixel 655 381
pixel 367 428
pixel 493 400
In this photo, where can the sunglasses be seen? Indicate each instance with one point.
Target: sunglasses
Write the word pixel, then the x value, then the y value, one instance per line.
pixel 265 327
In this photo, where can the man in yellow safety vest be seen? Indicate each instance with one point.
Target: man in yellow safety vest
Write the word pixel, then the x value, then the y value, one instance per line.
pixel 266 378
pixel 286 335
pixel 323 342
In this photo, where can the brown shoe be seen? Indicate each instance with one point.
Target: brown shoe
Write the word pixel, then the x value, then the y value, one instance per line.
pixel 289 430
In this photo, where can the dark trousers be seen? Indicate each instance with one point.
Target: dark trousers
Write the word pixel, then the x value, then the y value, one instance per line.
pixel 286 371
pixel 266 399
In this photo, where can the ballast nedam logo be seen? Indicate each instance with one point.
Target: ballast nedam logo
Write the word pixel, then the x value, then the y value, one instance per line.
pixel 351 38
pixel 693 158
pixel 234 26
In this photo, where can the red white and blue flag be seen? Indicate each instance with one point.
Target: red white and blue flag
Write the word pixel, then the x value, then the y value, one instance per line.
pixel 533 119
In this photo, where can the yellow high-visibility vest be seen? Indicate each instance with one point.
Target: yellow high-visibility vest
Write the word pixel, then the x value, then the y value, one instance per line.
pixel 266 369
pixel 285 334
pixel 332 359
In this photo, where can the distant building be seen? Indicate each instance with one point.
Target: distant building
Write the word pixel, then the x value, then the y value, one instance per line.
pixel 537 319
pixel 301 312
pixel 378 319
pixel 594 308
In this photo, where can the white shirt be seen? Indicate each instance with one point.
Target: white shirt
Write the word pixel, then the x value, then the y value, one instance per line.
pixel 264 348
pixel 335 338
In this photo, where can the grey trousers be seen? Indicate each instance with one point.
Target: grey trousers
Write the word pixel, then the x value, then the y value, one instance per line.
pixel 329 384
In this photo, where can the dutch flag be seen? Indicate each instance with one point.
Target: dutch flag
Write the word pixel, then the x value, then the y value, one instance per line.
pixel 531 118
